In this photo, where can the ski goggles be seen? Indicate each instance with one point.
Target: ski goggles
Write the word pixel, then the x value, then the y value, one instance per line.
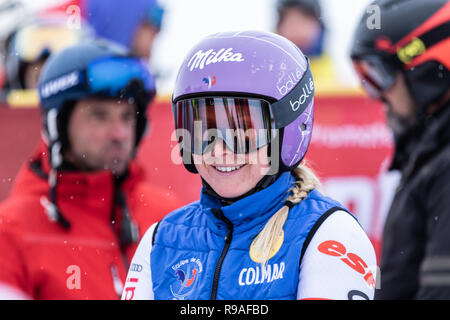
pixel 376 75
pixel 106 77
pixel 243 124
pixel 35 42
pixel 111 75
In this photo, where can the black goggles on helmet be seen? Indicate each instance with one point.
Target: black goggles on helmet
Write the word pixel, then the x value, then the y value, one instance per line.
pixel 103 77
pixel 375 74
pixel 243 124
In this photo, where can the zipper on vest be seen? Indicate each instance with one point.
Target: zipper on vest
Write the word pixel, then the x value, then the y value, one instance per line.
pixel 219 214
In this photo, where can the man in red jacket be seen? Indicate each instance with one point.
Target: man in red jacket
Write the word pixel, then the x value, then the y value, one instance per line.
pixel 77 211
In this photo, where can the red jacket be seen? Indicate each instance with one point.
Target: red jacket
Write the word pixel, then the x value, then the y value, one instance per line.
pixel 45 261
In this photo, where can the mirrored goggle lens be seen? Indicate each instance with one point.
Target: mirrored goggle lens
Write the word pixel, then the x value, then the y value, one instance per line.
pixel 32 42
pixel 244 125
pixel 375 76
pixel 112 75
pixel 371 89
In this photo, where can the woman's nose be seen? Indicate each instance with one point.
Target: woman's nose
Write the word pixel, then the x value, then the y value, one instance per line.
pixel 219 148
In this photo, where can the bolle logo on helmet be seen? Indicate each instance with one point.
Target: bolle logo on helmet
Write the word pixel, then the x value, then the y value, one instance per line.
pixel 60 84
pixel 200 58
pixel 292 79
pixel 307 90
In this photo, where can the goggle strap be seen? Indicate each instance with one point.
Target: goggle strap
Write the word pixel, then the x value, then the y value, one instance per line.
pixel 435 35
pixel 428 39
pixel 66 83
pixel 292 105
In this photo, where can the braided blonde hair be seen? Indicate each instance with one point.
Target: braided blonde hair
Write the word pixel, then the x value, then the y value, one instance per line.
pixel 266 241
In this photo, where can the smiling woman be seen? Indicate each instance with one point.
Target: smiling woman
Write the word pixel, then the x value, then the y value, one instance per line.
pixel 229 175
pixel 259 208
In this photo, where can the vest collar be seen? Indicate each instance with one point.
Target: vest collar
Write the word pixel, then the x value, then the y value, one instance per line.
pixel 255 209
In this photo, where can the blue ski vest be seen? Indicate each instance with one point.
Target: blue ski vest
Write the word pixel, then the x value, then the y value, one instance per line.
pixel 202 251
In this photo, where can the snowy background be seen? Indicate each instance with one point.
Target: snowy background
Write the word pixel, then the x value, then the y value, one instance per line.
pixel 186 22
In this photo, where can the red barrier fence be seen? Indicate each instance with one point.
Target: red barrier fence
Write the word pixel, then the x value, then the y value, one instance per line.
pixel 350 151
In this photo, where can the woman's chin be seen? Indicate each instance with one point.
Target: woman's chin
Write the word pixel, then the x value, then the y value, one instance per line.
pixel 229 194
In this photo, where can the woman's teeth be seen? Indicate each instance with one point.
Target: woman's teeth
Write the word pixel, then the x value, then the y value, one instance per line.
pixel 227 169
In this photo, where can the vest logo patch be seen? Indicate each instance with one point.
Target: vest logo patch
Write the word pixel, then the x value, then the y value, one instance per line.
pixel 186 273
pixel 256 256
pixel 261 274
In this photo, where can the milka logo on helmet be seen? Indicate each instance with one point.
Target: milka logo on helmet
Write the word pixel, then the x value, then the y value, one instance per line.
pixel 200 58
pixel 308 90
pixel 60 84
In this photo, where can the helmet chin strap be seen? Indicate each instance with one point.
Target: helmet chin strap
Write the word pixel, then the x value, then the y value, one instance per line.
pixel 265 181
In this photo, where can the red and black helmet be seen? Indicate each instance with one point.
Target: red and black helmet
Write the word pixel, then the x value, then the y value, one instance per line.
pixel 411 36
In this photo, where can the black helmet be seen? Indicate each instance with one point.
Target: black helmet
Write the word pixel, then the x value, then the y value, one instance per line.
pixel 91 69
pixel 412 37
pixel 96 68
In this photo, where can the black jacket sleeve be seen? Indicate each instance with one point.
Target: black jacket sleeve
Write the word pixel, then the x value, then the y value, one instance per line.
pixel 434 273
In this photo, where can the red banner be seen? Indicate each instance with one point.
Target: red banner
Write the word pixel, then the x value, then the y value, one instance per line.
pixel 350 151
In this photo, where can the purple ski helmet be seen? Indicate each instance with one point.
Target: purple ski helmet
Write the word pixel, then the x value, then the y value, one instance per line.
pixel 254 64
